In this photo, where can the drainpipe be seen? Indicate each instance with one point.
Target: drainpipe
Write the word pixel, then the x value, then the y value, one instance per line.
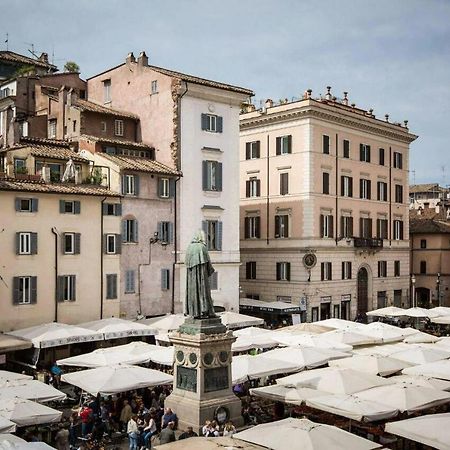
pixel 268 186
pixel 101 256
pixel 390 198
pixel 55 232
pixel 336 215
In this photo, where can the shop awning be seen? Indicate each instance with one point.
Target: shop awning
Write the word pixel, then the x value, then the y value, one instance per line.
pixel 248 304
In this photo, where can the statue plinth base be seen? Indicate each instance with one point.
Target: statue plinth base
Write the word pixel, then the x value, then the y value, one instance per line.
pixel 202 387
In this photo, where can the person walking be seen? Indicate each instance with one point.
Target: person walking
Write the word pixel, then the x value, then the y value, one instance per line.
pixel 133 432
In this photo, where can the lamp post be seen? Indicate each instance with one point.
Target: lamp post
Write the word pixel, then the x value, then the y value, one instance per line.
pixel 438 289
pixel 413 283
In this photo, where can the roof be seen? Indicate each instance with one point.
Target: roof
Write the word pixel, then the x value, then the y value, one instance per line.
pixel 428 226
pixel 427 213
pixel 116 142
pixel 21 59
pixel 11 343
pixel 49 151
pixel 86 105
pixel 140 164
pixel 428 187
pixel 45 141
pixel 11 184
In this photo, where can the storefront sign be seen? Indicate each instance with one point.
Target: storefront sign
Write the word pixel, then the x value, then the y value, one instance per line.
pixel 325 299
pixel 346 297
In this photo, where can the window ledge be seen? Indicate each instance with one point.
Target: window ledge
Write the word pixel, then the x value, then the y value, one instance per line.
pixel 212 149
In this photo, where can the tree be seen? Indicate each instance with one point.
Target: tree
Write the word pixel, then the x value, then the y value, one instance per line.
pixel 71 66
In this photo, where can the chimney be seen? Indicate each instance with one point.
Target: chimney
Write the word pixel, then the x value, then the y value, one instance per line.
pixel 405 122
pixel 386 117
pixel 269 103
pixel 345 100
pixel 143 59
pixel 130 58
pixel 309 93
pixel 328 95
pixel 44 57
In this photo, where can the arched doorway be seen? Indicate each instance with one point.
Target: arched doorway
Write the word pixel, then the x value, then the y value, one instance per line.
pixel 362 305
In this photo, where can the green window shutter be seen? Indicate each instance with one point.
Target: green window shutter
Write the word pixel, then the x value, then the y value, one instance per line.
pixel 118 244
pixel 16 290
pixel 258 149
pixel 160 187
pixel 361 152
pixel 219 124
pixel 164 279
pixel 104 209
pixel 34 204
pixel 34 243
pixel 118 209
pixel 205 121
pixel 108 286
pixel 33 297
pixel 322 220
pixel 289 138
pixel 219 235
pixel 123 185
pixel 286 226
pixel 76 207
pixel 205 175
pixel 105 243
pixel 17 204
pixel 219 176
pixel 278 146
pixel 247 188
pixel 330 226
pixel 170 232
pixel 77 243
pixel 160 230
pixel 246 227
pixel 258 188
pixel 17 243
pixel 136 184
pixel 73 288
pixel 248 150
pixel 62 206
pixel 172 187
pixel 258 227
pixel 60 288
pixel 136 232
pixel 63 243
pixel 350 224
pixel 124 230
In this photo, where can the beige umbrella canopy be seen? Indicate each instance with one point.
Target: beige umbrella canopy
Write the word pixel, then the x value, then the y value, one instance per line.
pixel 310 340
pixel 437 369
pixel 428 382
pixel 286 394
pixel 305 357
pixel 26 412
pixel 206 443
pixel 421 338
pixel 388 311
pixel 30 390
pixel 305 328
pixel 374 364
pixel 353 338
pixel 115 328
pixel 421 355
pixel 235 320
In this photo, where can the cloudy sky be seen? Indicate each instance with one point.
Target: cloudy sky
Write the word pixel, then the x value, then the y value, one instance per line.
pixel 390 55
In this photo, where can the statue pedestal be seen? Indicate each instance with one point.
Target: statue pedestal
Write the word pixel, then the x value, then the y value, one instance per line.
pixel 202 387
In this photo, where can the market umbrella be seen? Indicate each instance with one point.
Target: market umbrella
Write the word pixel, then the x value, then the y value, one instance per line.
pixel 334 380
pixel 442 310
pixel 305 328
pixel 388 311
pixel 110 380
pixel 441 320
pixel 374 364
pixel 115 328
pixel 383 350
pixel 406 397
pixel 163 356
pixel 353 338
pixel 304 435
pixel 10 439
pixel 310 340
pixel 428 382
pixel 421 312
pixel 31 390
pixel 432 430
pixel 26 412
pixel 235 320
pixel 421 355
pixel 245 367
pixel 6 426
pixel 209 443
pixel 443 342
pixel 164 324
pixel 29 446
pixel 6 375
pixel 420 338
pixel 437 369
pixel 386 326
pixel 286 394
pixel 244 343
pixel 253 331
pixel 352 407
pixel 384 334
pixel 340 324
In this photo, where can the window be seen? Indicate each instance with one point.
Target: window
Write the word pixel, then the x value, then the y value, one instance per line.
pixel 252 296
pixel 382 191
pixel 24 290
pixel 26 204
pixel 250 270
pixel 165 279
pixel 364 189
pixel 364 152
pixel 252 150
pixel 396 268
pixel 398 160
pixel 382 269
pixel 365 227
pixel 283 271
pixel 111 244
pixel 214 281
pixel 118 127
pixel 213 123
pixel 398 193
pixel 314 314
pixel 23 128
pixel 381 156
pixel 67 288
pixel 112 209
pixel 212 176
pixel 106 91
pixel 164 187
pixel 130 184
pixel 26 243
pixel 253 187
pixel 325 183
pixel 346 270
pixel 111 286
pixel 74 124
pixel 382 228
pixel 55 172
pixel 326 144
pixel 69 207
pixel 284 183
pixel 281 226
pixel 252 227
pixel 129 230
pixel 129 281
pixel 346 186
pixel 71 243
pixel 326 271
pixel 154 86
pixel 52 128
pixel 423 243
pixel 423 267
pixel 213 233
pixel 381 299
pixel 165 232
pixel 103 127
pixel 284 145
pixel 346 226
pixel 346 150
pixel 398 230
pixel 20 166
pixel 326 226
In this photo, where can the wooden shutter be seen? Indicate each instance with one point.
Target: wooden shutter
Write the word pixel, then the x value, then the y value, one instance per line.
pixel 60 288
pixel 286 226
pixel 34 204
pixel 160 187
pixel 165 275
pixel 258 149
pixel 248 270
pixel 246 227
pixel 258 188
pixel 76 207
pixel 33 293
pixel 278 269
pixel 160 230
pixel 378 228
pixel 330 266
pixel 322 271
pixel 17 243
pixel 136 232
pixel 325 144
pixel 278 146
pixel 105 243
pixel 17 203
pixel 205 228
pixel 205 121
pixel 118 209
pixel 136 184
pixel 342 186
pixel 16 290
pixel 33 243
pixel 118 244
pixel 77 243
pixel 170 226
pixel 277 226
pixel 360 188
pixel 124 189
pixel 368 153
pixel 172 187
pixel 321 225
pixel 330 226
pixel 62 206
pixel 248 150
pixel 343 270
pixel 124 230
pixel 350 186
pixel 341 227
pixel 369 189
pixel 218 176
pixel 361 227
pixel 361 152
pixel 401 230
pixel 247 188
pixel 205 175
pixel 219 235
pixel 258 227
pixel 289 138
pixel 73 285
pixel 400 160
pixel 105 209
pixel 325 183
pixel 350 223
pixel 219 124
pixel 288 271
pixel 369 221
pixel 213 281
pixel 63 243
pixel 108 286
pixel 381 156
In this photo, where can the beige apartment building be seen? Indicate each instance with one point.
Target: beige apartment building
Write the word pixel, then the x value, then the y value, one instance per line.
pixel 324 207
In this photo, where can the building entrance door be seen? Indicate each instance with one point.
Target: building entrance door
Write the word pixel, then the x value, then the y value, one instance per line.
pixel 325 311
pixel 363 302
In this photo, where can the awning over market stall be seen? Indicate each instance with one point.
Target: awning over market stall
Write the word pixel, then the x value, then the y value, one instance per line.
pixel 250 305
pixel 437 369
pixel 374 364
pixel 235 320
pixel 388 311
pixel 286 394
pixel 26 412
pixel 30 390
pixel 115 328
pixel 10 343
pixel 6 426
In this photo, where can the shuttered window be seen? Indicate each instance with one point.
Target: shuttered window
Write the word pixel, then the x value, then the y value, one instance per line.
pixel 111 286
pixel 112 244
pixel 130 230
pixel 326 144
pixel 325 183
pixel 365 227
pixel 129 281
pixel 252 227
pixel 165 279
pixel 26 243
pixel 112 209
pixel 398 230
pixel 283 271
pixel 326 226
pixel 284 183
pixel 130 184
pixel 346 270
pixel 398 160
pixel 24 290
pixel 166 187
pixel 118 127
pixel 281 226
pixel 213 233
pixel 381 191
pixel 250 270
pixel 382 228
pixel 66 289
pixel 396 268
pixel 69 207
pixel 252 150
pixel 382 269
pixel 165 232
pixel 326 271
pixel 26 204
pixel 398 193
pixel 212 176
pixel 253 187
pixel 346 149
pixel 283 145
pixel 346 226
pixel 381 156
pixel 71 243
pixel 212 123
pixel 364 152
pixel 365 188
pixel 346 186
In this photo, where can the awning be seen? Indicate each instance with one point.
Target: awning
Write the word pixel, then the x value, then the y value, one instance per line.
pixel 115 328
pixel 10 343
pixel 248 304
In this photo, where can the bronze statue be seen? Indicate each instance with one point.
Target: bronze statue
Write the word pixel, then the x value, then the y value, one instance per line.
pixel 198 303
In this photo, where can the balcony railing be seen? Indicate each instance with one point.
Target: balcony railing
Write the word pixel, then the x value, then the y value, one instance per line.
pixel 368 242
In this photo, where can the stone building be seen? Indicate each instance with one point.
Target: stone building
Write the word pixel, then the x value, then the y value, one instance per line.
pixel 324 207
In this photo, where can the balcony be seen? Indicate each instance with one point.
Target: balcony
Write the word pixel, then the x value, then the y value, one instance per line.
pixel 368 243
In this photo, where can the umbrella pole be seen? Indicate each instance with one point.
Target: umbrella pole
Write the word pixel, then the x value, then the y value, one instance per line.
pixel 350 425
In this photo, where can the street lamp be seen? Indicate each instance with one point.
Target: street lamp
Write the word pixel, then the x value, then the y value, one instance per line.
pixel 438 288
pixel 413 282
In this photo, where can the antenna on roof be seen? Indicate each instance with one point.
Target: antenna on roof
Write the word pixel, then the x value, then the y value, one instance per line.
pixel 443 174
pixel 7 41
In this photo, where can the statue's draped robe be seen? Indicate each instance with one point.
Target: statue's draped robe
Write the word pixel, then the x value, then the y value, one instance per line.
pixel 198 301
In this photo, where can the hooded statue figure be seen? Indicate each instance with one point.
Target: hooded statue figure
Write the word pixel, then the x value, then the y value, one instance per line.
pixel 198 302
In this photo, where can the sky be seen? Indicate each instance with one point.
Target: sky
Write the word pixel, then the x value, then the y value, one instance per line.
pixel 390 55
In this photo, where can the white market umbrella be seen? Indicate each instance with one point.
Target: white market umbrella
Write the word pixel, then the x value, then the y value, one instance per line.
pixel 383 350
pixel 441 320
pixel 428 382
pixel 334 380
pixel 6 426
pixel 163 356
pixel 111 380
pixel 420 338
pixel 303 434
pixel 54 334
pixel 6 375
pixel 386 326
pixel 353 338
pixel 406 397
pixel 388 311
pixel 26 412
pixel 437 369
pixel 420 312
pixel 311 340
pixel 244 343
pixel 115 328
pixel 443 342
pixel 421 355
pixel 340 324
pixel 31 390
pixel 305 328
pixel 384 334
pixel 32 446
pixel 245 367
pixel 432 430
pixel 164 324
pixel 374 364
pixel 235 320
pixel 286 394
pixel 10 440
pixel 442 310
pixel 253 331
pixel 352 407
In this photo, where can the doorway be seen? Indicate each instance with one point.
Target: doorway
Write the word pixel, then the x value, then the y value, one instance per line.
pixel 362 305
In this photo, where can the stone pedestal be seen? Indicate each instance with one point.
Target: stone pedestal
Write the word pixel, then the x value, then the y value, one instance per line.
pixel 202 387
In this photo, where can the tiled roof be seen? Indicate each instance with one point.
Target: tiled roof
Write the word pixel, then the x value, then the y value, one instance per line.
pixel 429 187
pixel 428 226
pixel 45 141
pixel 21 59
pixel 117 142
pixel 140 164
pixel 86 105
pixel 10 184
pixel 427 213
